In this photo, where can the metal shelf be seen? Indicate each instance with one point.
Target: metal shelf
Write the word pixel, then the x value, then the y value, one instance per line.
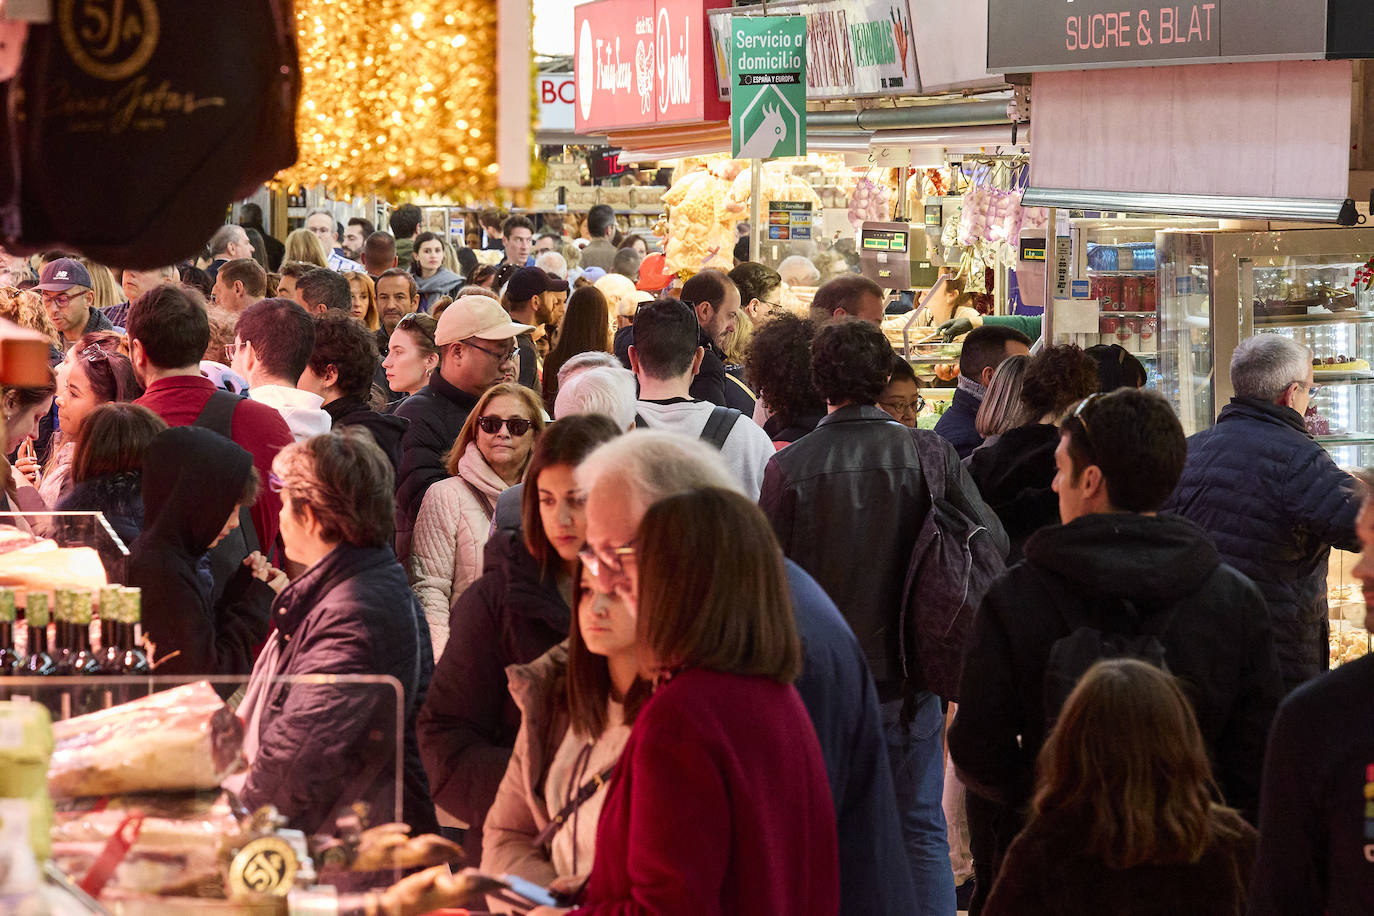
pixel 1352 316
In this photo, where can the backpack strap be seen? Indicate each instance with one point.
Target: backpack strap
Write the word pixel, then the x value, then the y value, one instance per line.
pixel 719 424
pixel 482 499
pixel 742 387
pixel 930 452
pixel 218 413
pixel 640 422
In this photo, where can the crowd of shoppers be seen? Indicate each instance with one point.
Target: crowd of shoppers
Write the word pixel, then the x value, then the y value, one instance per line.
pixel 653 595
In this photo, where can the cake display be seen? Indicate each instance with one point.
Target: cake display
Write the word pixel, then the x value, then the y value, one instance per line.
pixel 1339 364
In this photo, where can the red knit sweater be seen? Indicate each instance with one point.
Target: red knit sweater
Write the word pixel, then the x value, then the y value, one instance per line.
pixel 720 804
pixel 257 428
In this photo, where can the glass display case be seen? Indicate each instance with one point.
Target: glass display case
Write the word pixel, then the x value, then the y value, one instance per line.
pixel 1220 288
pixel 1117 257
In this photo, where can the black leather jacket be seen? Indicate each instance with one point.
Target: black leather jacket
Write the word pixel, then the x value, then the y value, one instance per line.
pixel 847 501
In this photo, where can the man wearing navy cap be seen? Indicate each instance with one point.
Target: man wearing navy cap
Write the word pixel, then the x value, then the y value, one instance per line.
pixel 65 287
pixel 522 300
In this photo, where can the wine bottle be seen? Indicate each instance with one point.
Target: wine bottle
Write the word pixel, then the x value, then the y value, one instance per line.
pixel 110 656
pixel 37 662
pixel 10 660
pixel 79 614
pixel 135 660
pixel 61 650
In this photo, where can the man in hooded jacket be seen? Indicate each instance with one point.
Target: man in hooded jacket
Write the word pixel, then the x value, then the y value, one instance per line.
pixel 194 483
pixel 1116 566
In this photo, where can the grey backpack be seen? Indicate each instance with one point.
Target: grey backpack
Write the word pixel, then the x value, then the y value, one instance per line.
pixel 954 561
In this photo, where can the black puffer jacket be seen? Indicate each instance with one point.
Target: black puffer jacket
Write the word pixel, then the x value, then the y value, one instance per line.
pixel 387 430
pixel 467 728
pixel 321 748
pixel 436 414
pixel 1274 503
pixel 856 481
pixel 1014 475
pixel 192 479
pixel 1218 644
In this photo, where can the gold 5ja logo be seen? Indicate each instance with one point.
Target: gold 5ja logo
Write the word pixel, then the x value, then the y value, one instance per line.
pixel 109 39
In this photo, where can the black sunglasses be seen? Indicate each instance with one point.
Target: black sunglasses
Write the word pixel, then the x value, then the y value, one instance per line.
pixel 411 322
pixel 518 426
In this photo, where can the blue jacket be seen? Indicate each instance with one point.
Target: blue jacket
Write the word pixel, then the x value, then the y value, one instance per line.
pixel 1274 502
pixel 839 695
pixel 957 427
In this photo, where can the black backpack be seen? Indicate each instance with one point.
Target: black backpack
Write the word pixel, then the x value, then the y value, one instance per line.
pixel 1088 643
pixel 954 561
pixel 132 126
pixel 226 557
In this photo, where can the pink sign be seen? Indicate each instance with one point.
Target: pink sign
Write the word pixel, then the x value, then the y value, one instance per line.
pixel 642 63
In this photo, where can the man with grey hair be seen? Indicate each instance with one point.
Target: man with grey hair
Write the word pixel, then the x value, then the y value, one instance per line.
pixel 1272 498
pixel 623 478
pixel 551 262
pixel 228 242
pixel 321 222
pixel 609 392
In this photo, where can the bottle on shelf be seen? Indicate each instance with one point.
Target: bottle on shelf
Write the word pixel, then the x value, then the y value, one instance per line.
pixel 37 662
pixel 110 655
pixel 61 649
pixel 83 658
pixel 10 660
pixel 135 660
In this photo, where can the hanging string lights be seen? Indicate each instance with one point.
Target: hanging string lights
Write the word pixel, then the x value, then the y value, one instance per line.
pixel 399 97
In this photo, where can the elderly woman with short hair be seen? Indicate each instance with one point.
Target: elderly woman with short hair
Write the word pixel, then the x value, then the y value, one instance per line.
pixel 315 749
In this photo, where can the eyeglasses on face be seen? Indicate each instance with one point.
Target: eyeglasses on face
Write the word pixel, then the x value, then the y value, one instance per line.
pixel 62 300
pixel 1311 389
pixel 491 425
pixel 500 357
pixel 232 349
pixel 610 561
pixel 906 406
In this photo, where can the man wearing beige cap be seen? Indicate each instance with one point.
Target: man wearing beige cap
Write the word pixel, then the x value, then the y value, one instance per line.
pixel 476 341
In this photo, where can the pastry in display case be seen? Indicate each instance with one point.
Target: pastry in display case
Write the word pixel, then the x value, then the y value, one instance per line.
pixel 1349 637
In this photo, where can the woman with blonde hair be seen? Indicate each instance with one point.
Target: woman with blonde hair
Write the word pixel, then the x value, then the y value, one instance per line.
pixel 490 456
pixel 25 308
pixel 1002 408
pixel 1125 817
pixel 304 246
pixel 364 298
pixel 105 291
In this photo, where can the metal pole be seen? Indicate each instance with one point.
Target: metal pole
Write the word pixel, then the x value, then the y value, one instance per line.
pixel 755 208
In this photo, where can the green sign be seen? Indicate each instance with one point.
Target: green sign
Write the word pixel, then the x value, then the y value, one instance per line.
pixel 768 86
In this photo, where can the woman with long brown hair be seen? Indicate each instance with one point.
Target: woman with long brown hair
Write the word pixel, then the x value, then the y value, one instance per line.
pixel 720 802
pixel 364 298
pixel 1124 818
pixel 586 327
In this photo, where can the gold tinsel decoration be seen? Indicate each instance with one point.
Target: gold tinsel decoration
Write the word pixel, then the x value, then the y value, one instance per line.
pixel 398 97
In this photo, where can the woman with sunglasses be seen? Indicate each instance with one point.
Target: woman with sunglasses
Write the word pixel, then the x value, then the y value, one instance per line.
pixel 516 611
pixel 95 373
pixel 411 356
pixel 1016 472
pixel 577 703
pixel 490 455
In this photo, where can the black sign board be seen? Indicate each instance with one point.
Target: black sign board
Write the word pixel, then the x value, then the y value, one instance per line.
pixel 1081 34
pixel 604 163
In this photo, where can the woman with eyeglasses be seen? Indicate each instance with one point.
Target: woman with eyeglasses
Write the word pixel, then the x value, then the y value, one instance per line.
pixel 901 399
pixel 364 298
pixel 518 609
pixel 577 703
pixel 489 456
pixel 411 356
pixel 720 801
pixel 1015 474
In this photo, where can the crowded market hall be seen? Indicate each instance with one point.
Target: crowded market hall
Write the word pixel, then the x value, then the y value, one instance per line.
pixel 685 457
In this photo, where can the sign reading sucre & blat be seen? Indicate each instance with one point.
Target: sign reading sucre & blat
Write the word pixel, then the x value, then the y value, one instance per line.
pixel 1078 34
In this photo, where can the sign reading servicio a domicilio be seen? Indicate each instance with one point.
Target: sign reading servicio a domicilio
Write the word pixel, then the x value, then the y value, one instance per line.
pixel 768 86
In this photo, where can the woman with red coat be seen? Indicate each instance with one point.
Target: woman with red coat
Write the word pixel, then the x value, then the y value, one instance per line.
pixel 719 803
